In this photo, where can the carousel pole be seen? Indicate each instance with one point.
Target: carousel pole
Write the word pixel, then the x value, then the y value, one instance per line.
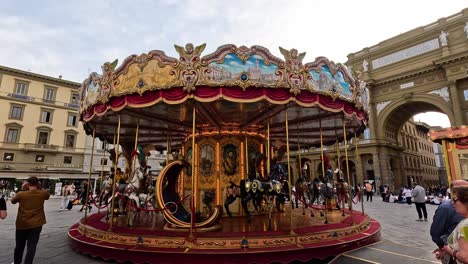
pixel 356 157
pixel 102 173
pixel 193 175
pixel 338 151
pixel 135 149
pixel 299 153
pixel 310 169
pixel 117 142
pixel 347 169
pixel 268 147
pixel 338 165
pixel 247 156
pixel 89 174
pixel 323 168
pixel 289 171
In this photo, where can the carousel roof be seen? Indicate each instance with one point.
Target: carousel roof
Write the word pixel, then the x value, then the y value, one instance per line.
pixel 450 134
pixel 235 90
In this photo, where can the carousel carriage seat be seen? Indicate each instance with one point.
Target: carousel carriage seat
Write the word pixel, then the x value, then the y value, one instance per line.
pixel 177 214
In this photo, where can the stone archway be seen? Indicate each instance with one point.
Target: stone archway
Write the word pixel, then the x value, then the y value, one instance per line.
pixel 397 112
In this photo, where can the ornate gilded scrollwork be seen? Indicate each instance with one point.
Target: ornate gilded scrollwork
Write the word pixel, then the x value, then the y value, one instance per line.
pixel 107 81
pixel 190 58
pixel 295 73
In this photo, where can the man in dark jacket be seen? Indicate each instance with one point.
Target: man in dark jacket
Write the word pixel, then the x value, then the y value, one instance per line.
pixel 30 219
pixel 445 219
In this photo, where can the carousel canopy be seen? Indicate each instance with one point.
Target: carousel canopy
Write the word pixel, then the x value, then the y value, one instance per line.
pixel 234 91
pixel 451 134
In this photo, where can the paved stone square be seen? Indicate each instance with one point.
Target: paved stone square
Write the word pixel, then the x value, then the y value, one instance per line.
pixel 399 226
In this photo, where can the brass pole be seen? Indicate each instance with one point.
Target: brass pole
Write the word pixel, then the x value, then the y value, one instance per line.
pixel 347 169
pixel 323 168
pixel 321 149
pixel 247 157
pixel 299 153
pixel 102 173
pixel 356 153
pixel 338 151
pixel 193 174
pixel 356 157
pixel 116 146
pixel 89 174
pixel 289 171
pixel 132 173
pixel 447 163
pixel 268 148
pixel 167 148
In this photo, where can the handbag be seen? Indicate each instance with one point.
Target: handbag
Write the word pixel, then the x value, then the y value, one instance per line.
pixel 70 205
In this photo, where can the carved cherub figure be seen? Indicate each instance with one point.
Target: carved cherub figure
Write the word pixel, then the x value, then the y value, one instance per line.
pixel 293 59
pixel 189 55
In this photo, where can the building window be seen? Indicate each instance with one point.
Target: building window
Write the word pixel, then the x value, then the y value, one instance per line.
pixel 367 133
pixel 21 88
pixel 46 116
pixel 465 94
pixel 8 156
pixel 49 94
pixel 43 138
pixel 72 120
pixel 103 161
pixel 12 135
pixel 67 159
pixel 40 158
pixel 16 112
pixel 70 141
pixel 75 98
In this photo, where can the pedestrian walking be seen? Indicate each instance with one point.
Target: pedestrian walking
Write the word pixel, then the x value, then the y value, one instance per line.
pixel 30 219
pixel 3 208
pixel 66 193
pixel 444 222
pixel 368 191
pixel 419 198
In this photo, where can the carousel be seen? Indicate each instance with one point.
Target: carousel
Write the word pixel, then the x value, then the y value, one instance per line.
pixel 231 122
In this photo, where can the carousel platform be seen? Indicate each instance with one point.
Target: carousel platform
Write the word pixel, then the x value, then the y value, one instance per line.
pixel 237 241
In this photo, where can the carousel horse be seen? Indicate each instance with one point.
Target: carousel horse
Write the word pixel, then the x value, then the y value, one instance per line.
pixel 341 193
pixel 255 190
pixel 106 190
pixel 316 195
pixel 301 187
pixel 208 199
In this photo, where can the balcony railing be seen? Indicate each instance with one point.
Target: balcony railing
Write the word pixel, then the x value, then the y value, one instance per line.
pixel 42 147
pixel 39 147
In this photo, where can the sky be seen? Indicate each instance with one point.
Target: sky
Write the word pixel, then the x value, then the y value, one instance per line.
pixel 74 38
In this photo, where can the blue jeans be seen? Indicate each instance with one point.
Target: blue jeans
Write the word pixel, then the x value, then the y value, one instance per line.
pixel 30 236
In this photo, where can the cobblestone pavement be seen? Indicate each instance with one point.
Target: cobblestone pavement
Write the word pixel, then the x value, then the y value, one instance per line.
pixel 398 222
